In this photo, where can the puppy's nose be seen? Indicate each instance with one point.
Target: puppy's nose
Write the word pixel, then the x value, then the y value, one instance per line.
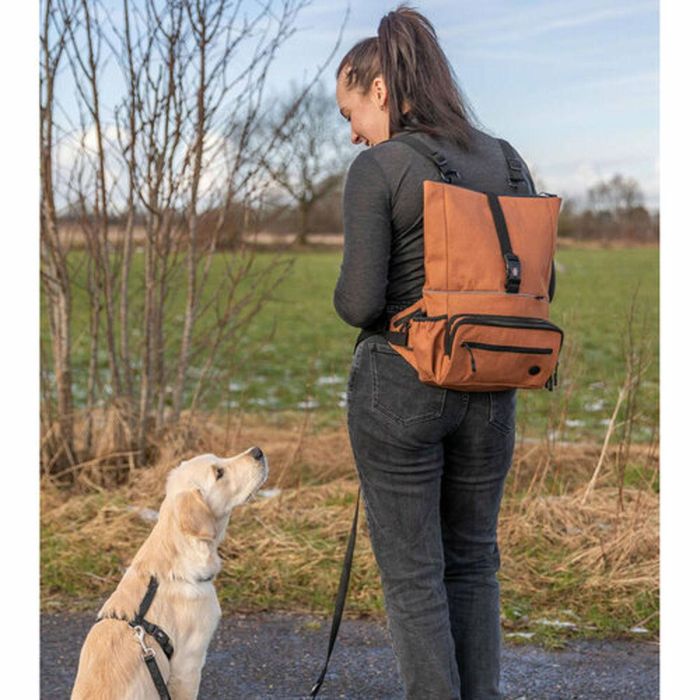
pixel 256 453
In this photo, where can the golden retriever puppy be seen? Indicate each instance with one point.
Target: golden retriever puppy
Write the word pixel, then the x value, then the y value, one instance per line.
pixel 166 601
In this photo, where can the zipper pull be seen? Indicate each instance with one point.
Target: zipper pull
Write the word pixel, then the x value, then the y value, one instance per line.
pixel 471 355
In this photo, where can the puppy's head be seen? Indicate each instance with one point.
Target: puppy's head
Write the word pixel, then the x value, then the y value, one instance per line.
pixel 208 486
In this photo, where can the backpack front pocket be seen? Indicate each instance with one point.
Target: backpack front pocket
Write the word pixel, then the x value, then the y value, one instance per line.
pixel 482 351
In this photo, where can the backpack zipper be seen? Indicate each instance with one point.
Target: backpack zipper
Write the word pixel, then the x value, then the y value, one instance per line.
pixel 508 348
pixel 501 321
pixel 501 348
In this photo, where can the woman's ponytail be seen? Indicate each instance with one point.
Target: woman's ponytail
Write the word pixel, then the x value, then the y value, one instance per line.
pixel 423 94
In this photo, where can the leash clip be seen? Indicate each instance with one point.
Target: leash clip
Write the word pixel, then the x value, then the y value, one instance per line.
pixel 140 635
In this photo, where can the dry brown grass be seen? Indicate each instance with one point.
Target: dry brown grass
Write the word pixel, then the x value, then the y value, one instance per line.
pixel 599 560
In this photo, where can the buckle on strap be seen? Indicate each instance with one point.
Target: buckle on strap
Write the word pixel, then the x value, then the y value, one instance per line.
pixel 513 273
pixel 515 164
pixel 140 635
pixel 447 174
pixel 144 626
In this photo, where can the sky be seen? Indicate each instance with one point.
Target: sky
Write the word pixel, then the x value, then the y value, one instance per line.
pixel 573 85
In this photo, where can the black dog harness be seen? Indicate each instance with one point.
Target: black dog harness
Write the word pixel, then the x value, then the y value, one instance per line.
pixel 142 627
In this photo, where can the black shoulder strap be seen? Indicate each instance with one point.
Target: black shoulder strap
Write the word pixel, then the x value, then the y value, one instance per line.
pixel 340 597
pixel 516 170
pixel 448 174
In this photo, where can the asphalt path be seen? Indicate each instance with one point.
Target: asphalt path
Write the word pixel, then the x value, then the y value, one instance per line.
pixel 275 657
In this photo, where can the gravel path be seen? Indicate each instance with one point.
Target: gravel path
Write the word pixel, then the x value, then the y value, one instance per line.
pixel 277 656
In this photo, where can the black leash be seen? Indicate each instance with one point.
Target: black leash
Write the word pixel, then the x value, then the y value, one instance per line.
pixel 340 597
pixel 143 627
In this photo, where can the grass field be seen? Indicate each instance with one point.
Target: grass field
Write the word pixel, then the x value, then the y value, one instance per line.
pixel 296 354
pixel 568 566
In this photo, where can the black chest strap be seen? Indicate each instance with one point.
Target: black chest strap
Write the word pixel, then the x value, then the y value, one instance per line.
pixel 150 628
pixel 158 634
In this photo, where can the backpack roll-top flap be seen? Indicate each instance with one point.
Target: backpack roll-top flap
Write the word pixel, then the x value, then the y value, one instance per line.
pixel 473 260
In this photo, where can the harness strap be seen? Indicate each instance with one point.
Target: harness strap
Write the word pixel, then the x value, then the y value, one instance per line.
pixel 139 619
pixel 340 597
pixel 158 634
pixel 147 598
pixel 154 631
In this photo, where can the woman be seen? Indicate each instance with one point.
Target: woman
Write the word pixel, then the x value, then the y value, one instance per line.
pixel 432 462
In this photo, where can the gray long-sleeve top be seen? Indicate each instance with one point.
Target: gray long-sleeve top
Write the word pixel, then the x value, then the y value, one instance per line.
pixel 382 269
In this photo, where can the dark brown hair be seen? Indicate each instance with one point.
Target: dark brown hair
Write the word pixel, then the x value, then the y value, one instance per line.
pixel 417 74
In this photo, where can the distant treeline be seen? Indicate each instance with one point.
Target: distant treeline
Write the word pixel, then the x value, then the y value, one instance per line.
pixel 611 210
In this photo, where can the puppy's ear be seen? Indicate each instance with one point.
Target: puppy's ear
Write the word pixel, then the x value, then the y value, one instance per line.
pixel 194 516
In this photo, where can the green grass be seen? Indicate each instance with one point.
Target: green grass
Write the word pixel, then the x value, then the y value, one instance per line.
pixel 296 354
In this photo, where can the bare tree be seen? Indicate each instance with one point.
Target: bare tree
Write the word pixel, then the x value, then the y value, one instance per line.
pixel 314 153
pixel 58 447
pixel 175 157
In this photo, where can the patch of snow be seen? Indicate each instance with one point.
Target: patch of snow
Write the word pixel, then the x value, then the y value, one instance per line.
pixel 269 401
pixel 269 493
pixel 146 514
pixel 330 379
pixel 556 623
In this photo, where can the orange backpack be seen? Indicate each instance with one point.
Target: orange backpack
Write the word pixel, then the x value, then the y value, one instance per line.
pixel 482 322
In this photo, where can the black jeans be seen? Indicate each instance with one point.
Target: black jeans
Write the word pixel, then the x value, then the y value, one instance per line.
pixel 432 463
